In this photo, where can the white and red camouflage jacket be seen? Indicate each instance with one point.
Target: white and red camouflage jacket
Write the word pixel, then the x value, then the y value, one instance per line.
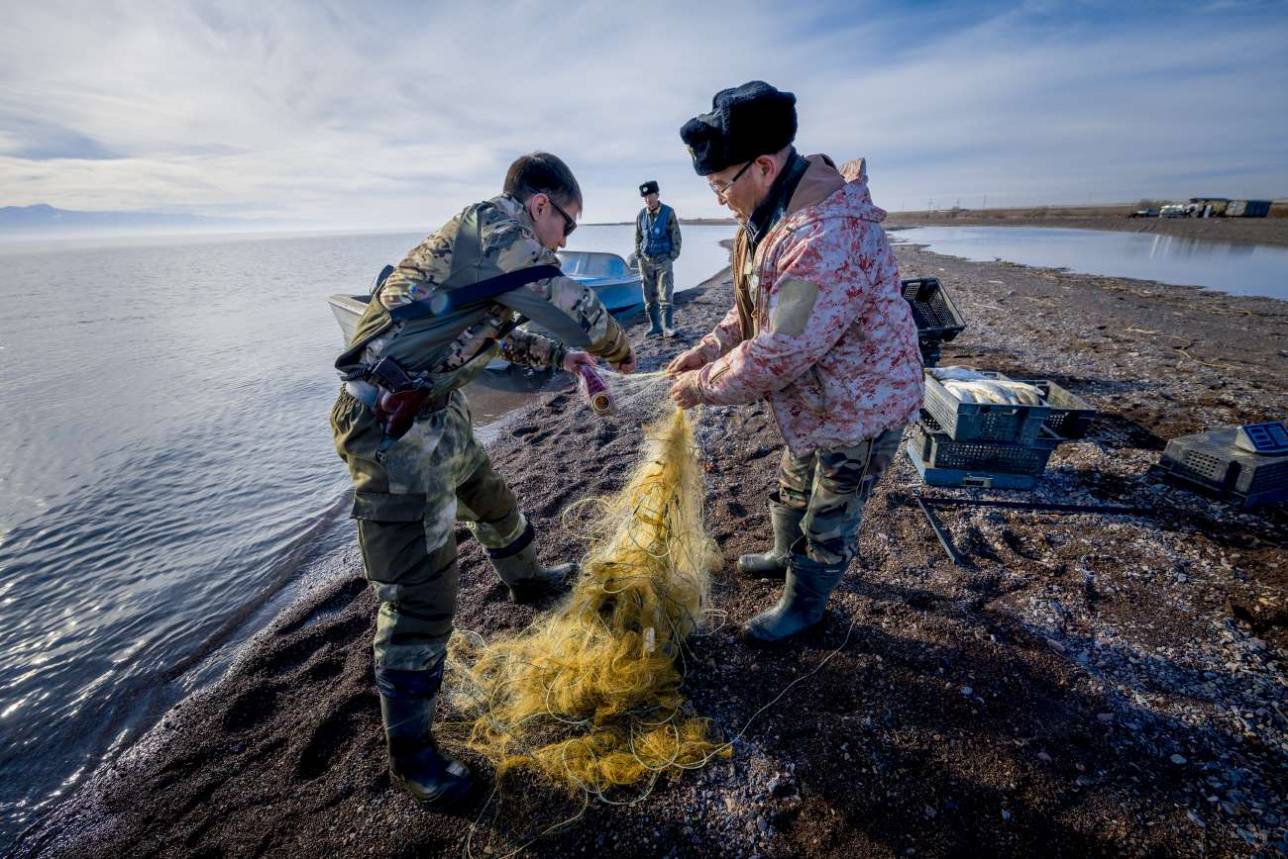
pixel 832 344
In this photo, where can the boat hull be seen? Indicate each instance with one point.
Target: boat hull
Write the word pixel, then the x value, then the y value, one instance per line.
pixel 607 275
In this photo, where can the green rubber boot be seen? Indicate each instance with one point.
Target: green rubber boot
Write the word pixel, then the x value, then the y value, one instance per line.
pixel 805 594
pixel 668 320
pixel 786 523
pixel 415 762
pixel 526 578
pixel 655 320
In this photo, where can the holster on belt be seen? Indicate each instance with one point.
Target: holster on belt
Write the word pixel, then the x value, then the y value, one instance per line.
pixel 402 398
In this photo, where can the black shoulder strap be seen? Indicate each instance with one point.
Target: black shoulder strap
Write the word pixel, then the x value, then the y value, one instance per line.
pixel 445 301
pixel 381 278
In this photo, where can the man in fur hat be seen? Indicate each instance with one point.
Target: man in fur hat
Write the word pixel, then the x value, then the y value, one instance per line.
pixel 819 328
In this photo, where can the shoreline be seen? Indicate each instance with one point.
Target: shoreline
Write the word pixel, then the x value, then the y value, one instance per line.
pixel 923 246
pixel 1251 231
pixel 887 751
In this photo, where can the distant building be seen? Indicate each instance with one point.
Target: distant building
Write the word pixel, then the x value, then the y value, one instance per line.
pixel 1208 207
pixel 1247 209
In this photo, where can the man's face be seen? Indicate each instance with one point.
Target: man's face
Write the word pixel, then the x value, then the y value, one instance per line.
pixel 550 224
pixel 740 188
pixel 651 199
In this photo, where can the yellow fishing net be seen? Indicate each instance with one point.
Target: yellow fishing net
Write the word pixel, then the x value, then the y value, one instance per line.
pixel 589 695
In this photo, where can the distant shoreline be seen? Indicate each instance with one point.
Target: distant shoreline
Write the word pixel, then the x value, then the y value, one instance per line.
pixel 1254 231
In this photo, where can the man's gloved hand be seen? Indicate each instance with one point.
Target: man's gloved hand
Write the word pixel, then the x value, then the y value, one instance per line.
pixel 690 359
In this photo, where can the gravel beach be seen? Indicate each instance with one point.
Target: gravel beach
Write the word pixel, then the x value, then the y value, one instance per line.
pixel 1088 684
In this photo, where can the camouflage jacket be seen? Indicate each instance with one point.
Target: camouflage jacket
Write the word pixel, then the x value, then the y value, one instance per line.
pixel 484 240
pixel 819 326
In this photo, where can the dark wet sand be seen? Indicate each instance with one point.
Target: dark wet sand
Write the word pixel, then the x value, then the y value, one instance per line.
pixel 1089 685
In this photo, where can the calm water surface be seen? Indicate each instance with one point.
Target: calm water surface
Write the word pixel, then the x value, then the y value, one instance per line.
pixel 1239 269
pixel 166 471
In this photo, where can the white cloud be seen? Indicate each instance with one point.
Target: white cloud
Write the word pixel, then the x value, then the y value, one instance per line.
pixel 381 115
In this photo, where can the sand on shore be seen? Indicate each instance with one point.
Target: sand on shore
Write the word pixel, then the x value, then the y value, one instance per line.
pixel 1089 685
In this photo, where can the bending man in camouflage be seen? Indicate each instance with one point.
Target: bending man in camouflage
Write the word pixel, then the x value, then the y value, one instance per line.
pixel 411 489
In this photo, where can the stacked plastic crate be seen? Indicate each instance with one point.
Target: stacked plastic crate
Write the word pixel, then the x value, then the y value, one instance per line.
pixel 992 445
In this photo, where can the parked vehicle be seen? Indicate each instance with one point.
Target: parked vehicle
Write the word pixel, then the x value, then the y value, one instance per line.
pixel 1144 213
pixel 1174 210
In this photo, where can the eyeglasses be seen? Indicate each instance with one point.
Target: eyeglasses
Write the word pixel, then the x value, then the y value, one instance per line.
pixel 569 223
pixel 724 189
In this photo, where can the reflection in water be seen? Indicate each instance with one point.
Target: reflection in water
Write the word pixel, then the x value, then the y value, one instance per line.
pixel 1236 268
pixel 1185 246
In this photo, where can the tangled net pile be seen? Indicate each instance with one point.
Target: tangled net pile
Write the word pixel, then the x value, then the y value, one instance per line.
pixel 589 695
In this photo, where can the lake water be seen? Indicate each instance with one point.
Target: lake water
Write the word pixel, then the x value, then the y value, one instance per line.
pixel 166 471
pixel 1239 269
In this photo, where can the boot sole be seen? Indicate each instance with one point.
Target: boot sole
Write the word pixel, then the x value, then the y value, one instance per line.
pixel 532 598
pixel 779 574
pixel 544 592
pixel 449 799
pixel 752 640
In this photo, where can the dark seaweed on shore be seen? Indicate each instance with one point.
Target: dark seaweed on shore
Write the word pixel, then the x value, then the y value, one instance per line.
pixel 1089 685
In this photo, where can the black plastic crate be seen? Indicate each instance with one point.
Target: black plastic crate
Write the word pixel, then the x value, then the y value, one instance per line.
pixel 937 317
pixel 938 450
pixel 1212 461
pixel 1017 424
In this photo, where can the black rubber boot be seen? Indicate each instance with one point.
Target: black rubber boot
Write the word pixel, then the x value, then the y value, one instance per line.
pixel 526 578
pixel 415 762
pixel 668 320
pixel 805 595
pixel 786 522
pixel 655 318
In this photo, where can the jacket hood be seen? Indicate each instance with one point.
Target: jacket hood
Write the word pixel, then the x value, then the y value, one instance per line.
pixel 822 180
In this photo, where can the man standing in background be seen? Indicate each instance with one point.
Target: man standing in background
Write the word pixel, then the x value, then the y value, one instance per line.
pixel 657 245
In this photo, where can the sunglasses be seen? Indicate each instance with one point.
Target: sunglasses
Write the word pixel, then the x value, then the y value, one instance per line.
pixel 569 223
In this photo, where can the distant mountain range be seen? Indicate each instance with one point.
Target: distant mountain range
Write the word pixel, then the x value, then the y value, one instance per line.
pixel 42 220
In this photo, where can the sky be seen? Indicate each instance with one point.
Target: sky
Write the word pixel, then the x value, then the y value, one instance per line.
pixel 378 115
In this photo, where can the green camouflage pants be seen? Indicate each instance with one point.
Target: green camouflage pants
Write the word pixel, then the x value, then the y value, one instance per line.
pixel 832 486
pixel 658 281
pixel 407 501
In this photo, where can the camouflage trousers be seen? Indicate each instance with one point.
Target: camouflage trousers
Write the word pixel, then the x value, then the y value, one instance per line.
pixel 832 486
pixel 407 501
pixel 658 281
